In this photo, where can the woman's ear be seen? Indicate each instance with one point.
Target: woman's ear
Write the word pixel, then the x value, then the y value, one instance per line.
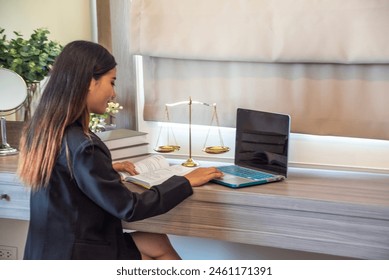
pixel 92 85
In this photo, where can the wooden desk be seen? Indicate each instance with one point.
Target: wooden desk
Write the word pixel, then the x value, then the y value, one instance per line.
pixel 331 212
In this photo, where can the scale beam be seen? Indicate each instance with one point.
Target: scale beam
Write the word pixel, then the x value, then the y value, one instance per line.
pixel 168 148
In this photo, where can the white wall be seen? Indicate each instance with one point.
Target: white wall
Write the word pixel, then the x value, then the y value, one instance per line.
pixel 13 233
pixel 66 20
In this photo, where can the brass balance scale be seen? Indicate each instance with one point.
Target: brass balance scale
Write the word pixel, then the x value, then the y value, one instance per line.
pixel 169 148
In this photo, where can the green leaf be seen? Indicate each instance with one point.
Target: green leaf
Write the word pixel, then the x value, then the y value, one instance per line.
pixel 31 58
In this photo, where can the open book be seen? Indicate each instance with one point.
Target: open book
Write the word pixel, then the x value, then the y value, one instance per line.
pixel 154 170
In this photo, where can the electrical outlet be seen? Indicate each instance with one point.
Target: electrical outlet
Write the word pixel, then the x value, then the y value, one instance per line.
pixel 8 253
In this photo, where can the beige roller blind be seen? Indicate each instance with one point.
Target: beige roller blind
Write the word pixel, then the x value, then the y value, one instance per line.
pixel 329 31
pixel 323 62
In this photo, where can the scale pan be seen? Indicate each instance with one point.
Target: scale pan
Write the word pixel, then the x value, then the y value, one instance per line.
pixel 216 149
pixel 167 148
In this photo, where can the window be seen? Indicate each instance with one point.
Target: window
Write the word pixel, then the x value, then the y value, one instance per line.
pixel 306 150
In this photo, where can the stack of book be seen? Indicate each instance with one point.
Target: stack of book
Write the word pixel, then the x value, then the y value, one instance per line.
pixel 125 143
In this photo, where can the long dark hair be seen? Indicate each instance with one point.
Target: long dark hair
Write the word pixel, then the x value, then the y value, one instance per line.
pixel 62 103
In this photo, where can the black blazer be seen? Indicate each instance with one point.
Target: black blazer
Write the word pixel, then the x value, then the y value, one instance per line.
pixel 79 214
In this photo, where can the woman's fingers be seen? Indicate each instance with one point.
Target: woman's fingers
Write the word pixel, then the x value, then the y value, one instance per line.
pixel 200 176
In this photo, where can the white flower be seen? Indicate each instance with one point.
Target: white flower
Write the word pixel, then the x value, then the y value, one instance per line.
pixel 113 108
pixel 97 121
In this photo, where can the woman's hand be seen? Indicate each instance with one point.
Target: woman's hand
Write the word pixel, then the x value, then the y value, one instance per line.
pixel 202 175
pixel 125 166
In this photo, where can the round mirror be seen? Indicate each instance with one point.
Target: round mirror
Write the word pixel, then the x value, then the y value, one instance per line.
pixel 13 93
pixel 13 90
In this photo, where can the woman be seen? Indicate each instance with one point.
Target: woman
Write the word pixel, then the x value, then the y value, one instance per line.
pixel 78 200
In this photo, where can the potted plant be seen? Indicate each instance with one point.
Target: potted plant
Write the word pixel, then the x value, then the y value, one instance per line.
pixel 31 58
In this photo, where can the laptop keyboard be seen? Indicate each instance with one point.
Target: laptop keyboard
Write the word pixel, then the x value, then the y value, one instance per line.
pixel 244 172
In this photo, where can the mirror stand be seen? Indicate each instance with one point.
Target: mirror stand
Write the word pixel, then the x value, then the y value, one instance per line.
pixel 5 148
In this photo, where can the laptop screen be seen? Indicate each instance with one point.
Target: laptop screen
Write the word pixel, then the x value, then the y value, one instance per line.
pixel 262 140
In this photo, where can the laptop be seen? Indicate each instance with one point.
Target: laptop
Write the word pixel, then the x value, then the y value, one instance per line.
pixel 261 149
